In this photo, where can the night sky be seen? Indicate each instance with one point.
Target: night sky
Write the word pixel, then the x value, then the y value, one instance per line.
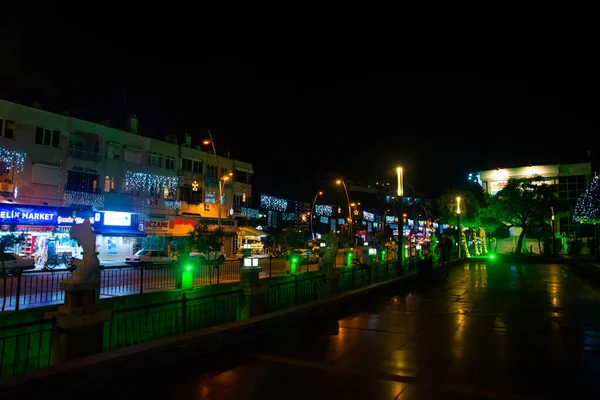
pixel 301 120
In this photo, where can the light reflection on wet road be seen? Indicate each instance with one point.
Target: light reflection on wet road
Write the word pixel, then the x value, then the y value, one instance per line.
pixel 493 331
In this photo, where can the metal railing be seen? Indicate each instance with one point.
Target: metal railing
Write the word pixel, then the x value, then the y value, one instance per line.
pixel 137 325
pixel 25 347
pixel 85 155
pixel 299 291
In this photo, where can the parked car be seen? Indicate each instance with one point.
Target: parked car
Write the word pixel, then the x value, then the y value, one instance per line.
pixel 305 254
pixel 210 256
pixel 149 257
pixel 14 264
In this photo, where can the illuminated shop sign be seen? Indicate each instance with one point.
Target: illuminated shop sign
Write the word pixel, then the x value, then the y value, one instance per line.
pixel 26 215
pixel 78 217
pixel 115 218
pixel 154 224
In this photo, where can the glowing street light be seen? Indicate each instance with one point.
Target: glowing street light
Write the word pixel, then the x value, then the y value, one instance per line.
pixel 341 182
pixel 458 223
pixel 312 214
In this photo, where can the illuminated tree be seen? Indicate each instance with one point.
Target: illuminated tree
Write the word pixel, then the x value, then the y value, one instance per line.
pixel 586 210
pixel 205 240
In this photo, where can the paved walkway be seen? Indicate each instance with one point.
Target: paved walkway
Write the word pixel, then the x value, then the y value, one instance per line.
pixel 494 331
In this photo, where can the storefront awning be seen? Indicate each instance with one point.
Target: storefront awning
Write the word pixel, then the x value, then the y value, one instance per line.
pixel 118 231
pixel 250 231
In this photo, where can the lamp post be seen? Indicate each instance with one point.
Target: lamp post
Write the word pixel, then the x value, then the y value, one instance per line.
pixel 312 215
pixel 400 193
pixel 222 181
pixel 341 182
pixel 212 142
pixel 458 223
pixel 553 233
pixel 383 222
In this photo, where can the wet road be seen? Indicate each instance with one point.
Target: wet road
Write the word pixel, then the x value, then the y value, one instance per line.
pixel 494 331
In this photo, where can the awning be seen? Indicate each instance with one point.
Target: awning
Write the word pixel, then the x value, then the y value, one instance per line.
pixel 118 231
pixel 250 231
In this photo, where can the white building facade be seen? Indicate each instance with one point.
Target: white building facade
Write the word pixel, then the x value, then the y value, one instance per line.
pixel 53 160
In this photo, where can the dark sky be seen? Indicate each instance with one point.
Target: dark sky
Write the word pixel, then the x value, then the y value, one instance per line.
pixel 297 118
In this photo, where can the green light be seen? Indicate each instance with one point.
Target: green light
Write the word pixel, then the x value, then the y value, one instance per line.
pixel 189 267
pixel 295 260
pixel 492 256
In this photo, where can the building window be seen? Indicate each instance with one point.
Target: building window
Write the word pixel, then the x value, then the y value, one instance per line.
pixel 129 190
pixel 7 128
pixel 155 191
pixel 169 162
pixel 186 193
pixel 114 151
pixel 211 171
pixel 154 160
pixel 47 137
pixel 190 165
pixel 80 181
pixel 110 184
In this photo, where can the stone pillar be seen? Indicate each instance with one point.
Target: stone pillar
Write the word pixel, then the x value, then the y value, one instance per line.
pixel 79 323
pixel 255 292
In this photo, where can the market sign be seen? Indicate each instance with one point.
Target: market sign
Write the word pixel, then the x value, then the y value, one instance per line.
pixel 77 217
pixel 27 215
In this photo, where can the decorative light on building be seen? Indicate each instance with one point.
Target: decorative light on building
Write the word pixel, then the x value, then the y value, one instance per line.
pixel 143 181
pixel 586 210
pixel 172 205
pixel 324 220
pixel 14 159
pixel 321 209
pixel 390 219
pixel 250 212
pixel 273 203
pixel 368 216
pixel 195 186
pixel 288 216
pixel 82 198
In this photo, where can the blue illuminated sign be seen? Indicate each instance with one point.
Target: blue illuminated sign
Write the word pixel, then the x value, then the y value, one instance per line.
pixel 27 215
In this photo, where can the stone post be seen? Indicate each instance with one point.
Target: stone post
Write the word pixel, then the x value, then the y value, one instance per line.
pixel 255 292
pixel 79 323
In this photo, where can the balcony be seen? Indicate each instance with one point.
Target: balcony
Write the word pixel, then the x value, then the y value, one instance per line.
pixel 85 155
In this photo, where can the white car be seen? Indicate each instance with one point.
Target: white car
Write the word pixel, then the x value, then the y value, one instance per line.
pixel 149 257
pixel 305 254
pixel 211 255
pixel 14 264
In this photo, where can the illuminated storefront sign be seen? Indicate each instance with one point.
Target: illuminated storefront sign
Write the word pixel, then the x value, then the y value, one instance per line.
pixel 78 217
pixel 115 218
pixel 154 224
pixel 25 215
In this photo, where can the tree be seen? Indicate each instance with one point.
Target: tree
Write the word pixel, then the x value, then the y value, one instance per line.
pixel 586 211
pixel 293 237
pixel 469 208
pixel 526 204
pixel 8 241
pixel 205 240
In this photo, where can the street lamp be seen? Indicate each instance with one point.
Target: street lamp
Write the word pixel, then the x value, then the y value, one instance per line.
pixel 458 223
pixel 383 223
pixel 221 187
pixel 553 233
pixel 212 142
pixel 341 182
pixel 312 214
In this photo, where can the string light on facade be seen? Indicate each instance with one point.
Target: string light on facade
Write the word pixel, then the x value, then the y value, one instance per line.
pixel 172 205
pixel 250 212
pixel 288 216
pixel 195 186
pixel 273 203
pixel 321 209
pixel 367 216
pixel 84 199
pixel 14 159
pixel 389 219
pixel 586 210
pixel 143 181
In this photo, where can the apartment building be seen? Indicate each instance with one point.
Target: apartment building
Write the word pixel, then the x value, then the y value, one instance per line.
pixel 161 187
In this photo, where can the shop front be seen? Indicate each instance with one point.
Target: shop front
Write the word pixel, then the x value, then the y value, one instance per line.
pixel 159 234
pixel 61 242
pixel 180 228
pixel 118 235
pixel 36 223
